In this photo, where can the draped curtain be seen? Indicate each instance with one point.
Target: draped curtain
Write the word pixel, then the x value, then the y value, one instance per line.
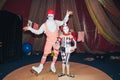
pixel 2 2
pixel 96 22
pixel 74 20
pixel 95 30
pixel 106 28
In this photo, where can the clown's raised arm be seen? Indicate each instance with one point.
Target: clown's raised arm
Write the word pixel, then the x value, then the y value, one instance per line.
pixel 65 20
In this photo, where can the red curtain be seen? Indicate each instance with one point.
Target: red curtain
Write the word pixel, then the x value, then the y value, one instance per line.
pixel 94 41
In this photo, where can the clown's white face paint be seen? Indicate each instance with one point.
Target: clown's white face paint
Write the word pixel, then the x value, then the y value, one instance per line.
pixel 51 23
pixel 50 17
pixel 65 29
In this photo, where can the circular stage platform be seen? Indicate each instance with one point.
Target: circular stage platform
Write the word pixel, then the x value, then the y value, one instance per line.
pixel 81 72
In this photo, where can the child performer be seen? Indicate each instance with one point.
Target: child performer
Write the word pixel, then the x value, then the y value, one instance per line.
pixel 65 40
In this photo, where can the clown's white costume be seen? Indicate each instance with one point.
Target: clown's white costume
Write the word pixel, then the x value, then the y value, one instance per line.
pixel 50 28
pixel 67 46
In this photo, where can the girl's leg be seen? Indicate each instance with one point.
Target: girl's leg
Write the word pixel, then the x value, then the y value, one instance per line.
pixel 68 65
pixel 63 64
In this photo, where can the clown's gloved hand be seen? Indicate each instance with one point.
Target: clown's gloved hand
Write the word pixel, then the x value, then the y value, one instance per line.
pixel 29 24
pixel 73 49
pixel 69 12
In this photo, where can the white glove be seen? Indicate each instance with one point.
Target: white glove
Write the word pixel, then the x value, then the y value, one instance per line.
pixel 29 24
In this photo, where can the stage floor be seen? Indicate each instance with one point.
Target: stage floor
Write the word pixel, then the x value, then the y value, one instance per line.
pixel 81 72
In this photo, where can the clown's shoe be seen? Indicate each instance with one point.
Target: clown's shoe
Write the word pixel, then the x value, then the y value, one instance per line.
pixel 38 69
pixel 53 69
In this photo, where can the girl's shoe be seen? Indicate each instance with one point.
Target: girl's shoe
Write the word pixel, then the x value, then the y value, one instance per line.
pixel 60 75
pixel 71 75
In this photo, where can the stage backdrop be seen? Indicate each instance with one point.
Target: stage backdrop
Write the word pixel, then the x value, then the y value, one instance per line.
pixel 97 21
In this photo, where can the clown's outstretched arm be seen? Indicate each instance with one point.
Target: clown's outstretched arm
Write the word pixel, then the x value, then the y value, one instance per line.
pixel 38 32
pixel 66 18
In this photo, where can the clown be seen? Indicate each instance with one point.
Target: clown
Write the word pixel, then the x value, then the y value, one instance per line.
pixel 50 28
pixel 67 46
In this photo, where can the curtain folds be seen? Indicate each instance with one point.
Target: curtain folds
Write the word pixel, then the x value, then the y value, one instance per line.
pixel 104 25
pixel 74 20
pixel 110 7
pixel 97 20
pixel 2 2
pixel 112 11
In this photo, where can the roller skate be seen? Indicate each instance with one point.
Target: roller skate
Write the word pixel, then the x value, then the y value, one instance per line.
pixel 37 70
pixel 52 67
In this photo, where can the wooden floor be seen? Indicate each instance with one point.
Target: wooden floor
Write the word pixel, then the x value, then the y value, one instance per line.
pixel 81 72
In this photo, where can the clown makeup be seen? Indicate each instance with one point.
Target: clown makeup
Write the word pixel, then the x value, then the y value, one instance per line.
pixel 65 29
pixel 50 16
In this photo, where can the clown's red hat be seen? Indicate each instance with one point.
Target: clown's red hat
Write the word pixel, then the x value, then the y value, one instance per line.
pixel 50 11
